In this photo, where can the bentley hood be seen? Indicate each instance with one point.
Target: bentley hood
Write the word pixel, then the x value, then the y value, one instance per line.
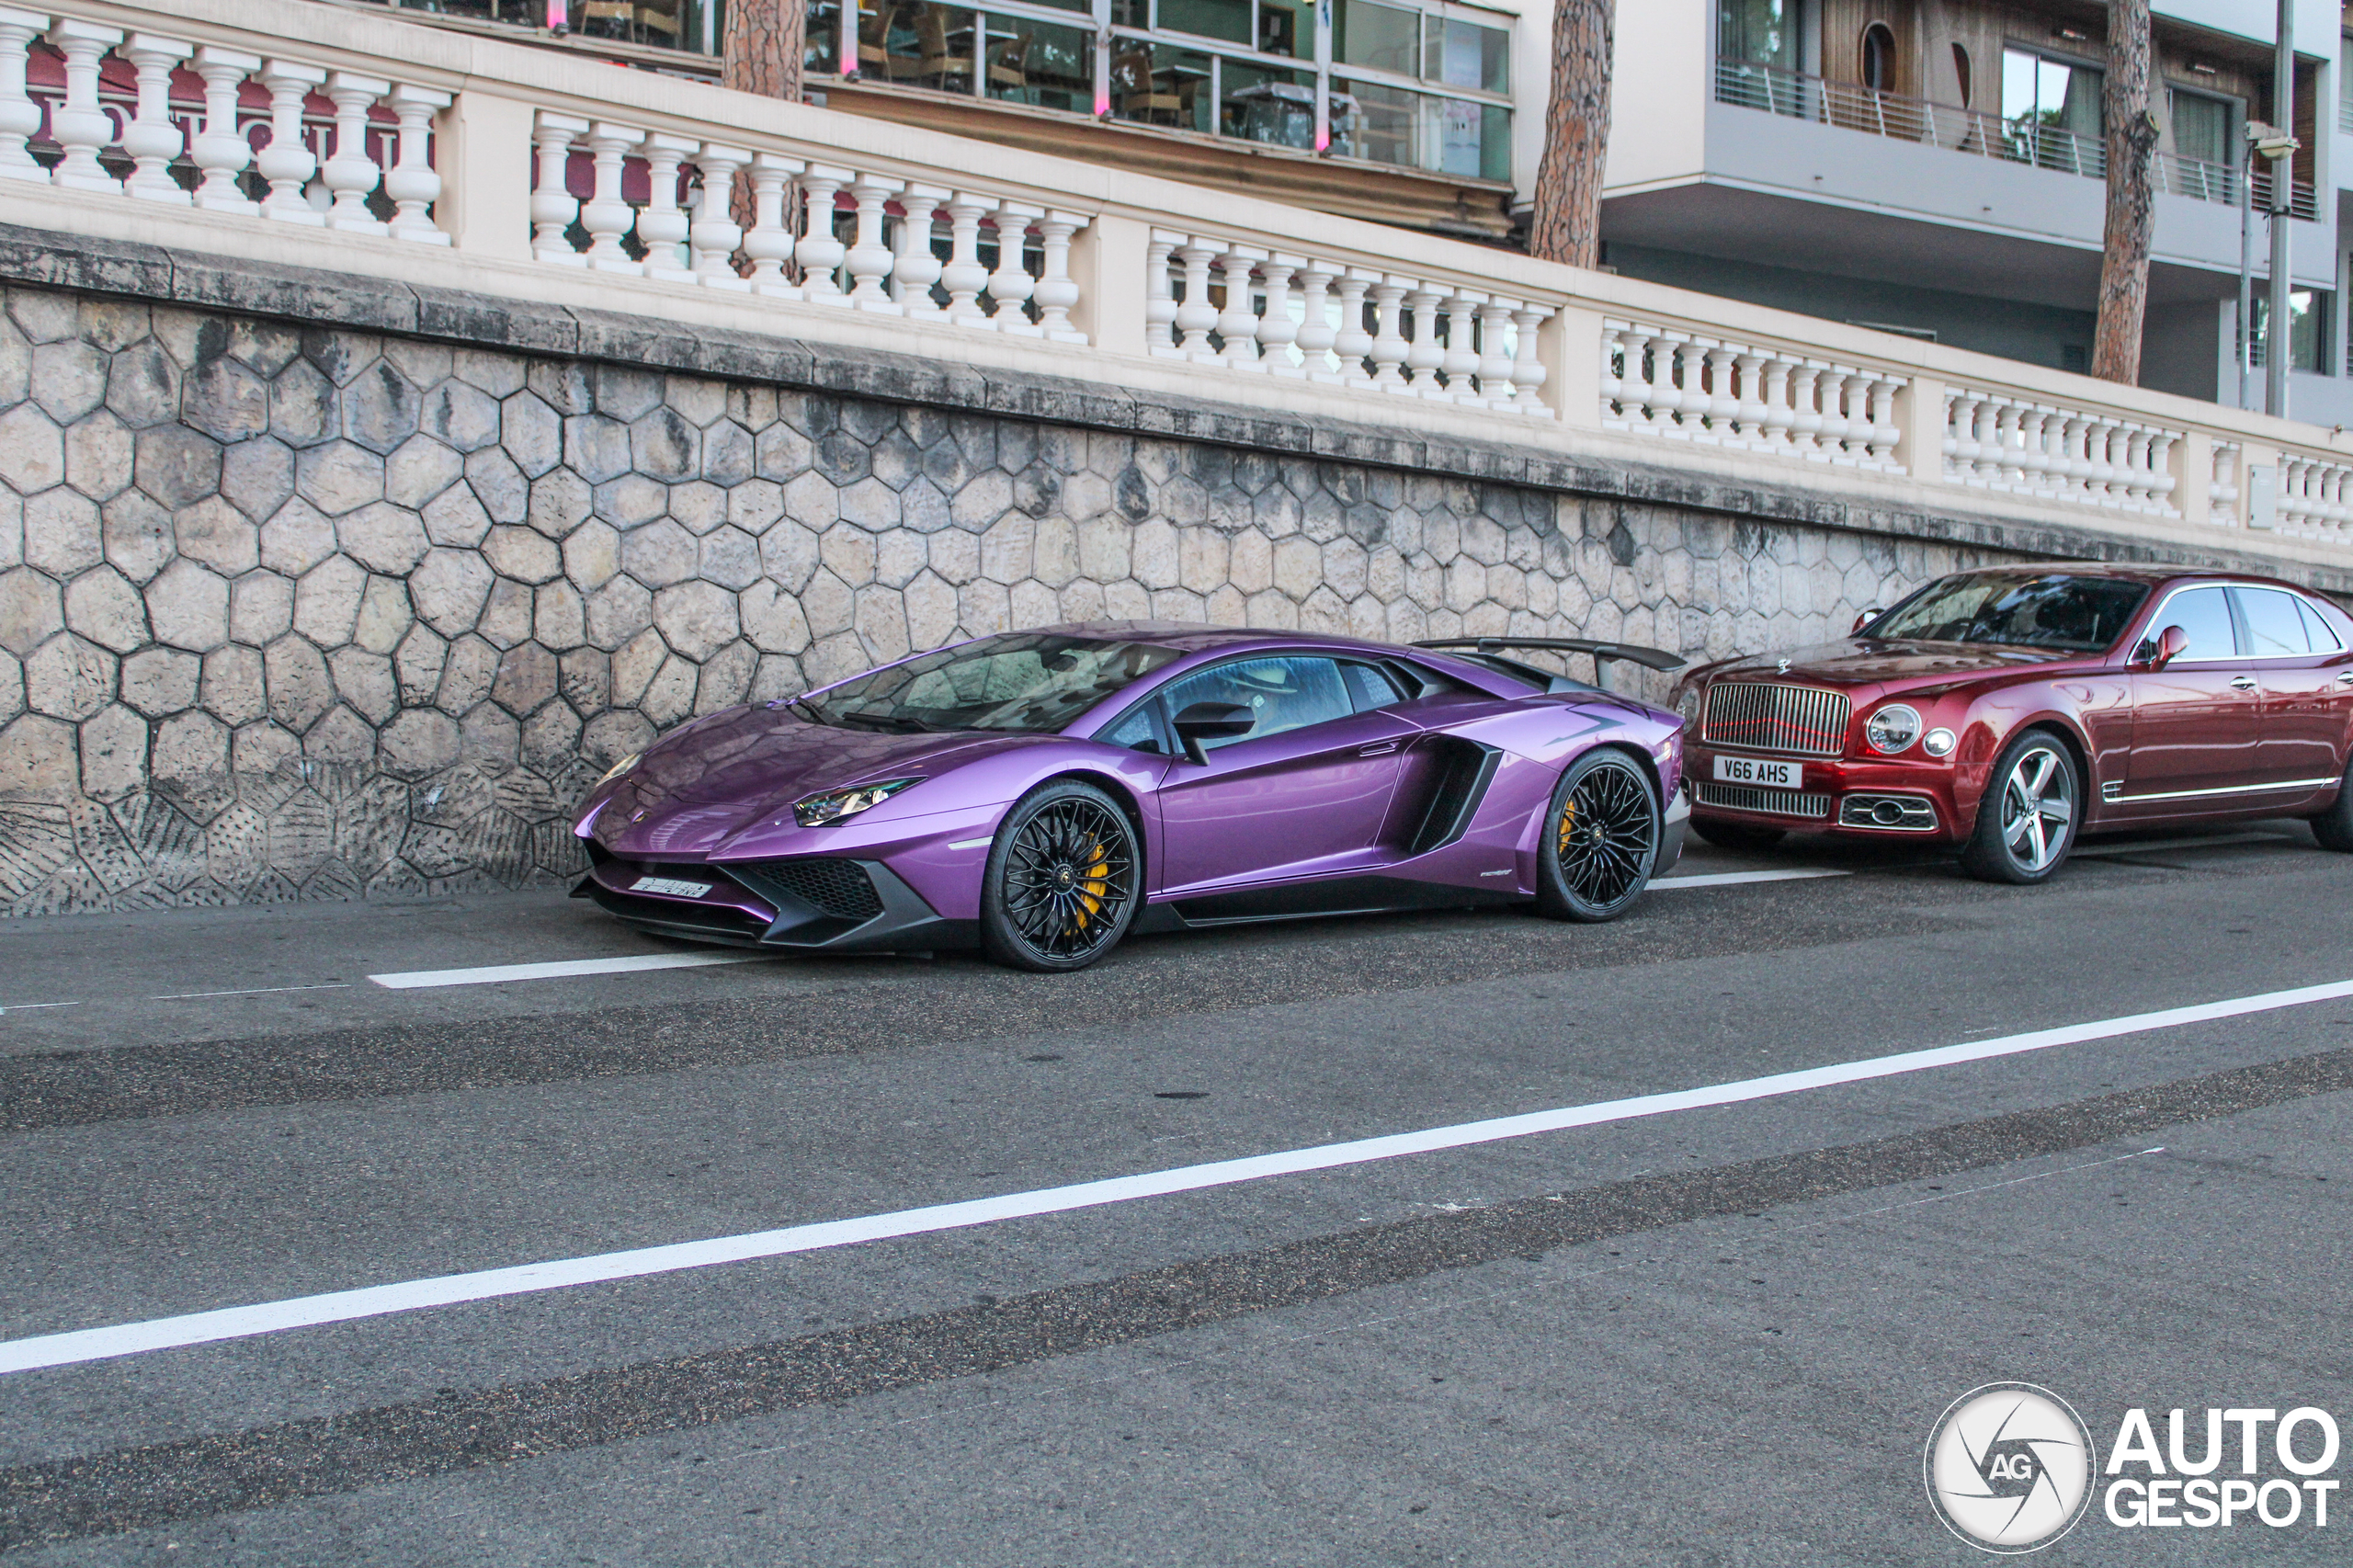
pixel 1860 662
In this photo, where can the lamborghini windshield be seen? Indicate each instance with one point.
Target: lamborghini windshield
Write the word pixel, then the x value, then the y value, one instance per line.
pixel 2051 610
pixel 1028 681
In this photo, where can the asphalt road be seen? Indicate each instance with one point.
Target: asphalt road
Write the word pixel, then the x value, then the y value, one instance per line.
pixel 1718 1333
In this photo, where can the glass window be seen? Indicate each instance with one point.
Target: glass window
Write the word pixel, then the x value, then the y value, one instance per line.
pixel 917 44
pixel 2317 630
pixel 2052 110
pixel 1287 693
pixel 2307 336
pixel 1464 54
pixel 1041 64
pixel 1758 32
pixel 1159 83
pixel 1261 104
pixel 1028 681
pixel 1227 19
pixel 1287 27
pixel 2046 610
pixel 1420 130
pixel 2201 127
pixel 1382 37
pixel 2205 615
pixel 2274 628
pixel 1369 687
pixel 1138 731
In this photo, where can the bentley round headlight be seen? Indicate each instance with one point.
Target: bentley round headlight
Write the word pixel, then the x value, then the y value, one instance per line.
pixel 1688 705
pixel 1938 743
pixel 1893 728
pixel 617 769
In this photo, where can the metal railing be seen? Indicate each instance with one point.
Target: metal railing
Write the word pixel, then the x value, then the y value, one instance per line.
pixel 1774 90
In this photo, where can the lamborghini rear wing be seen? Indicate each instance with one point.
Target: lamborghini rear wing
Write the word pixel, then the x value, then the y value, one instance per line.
pixel 1603 653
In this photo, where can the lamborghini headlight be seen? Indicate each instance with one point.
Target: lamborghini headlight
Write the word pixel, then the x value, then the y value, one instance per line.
pixel 617 769
pixel 835 804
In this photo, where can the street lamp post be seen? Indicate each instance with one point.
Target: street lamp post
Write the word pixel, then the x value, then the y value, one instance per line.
pixel 2280 149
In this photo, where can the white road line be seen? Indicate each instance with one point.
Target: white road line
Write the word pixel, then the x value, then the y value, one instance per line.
pixel 416 978
pixel 378 1301
pixel 1733 879
pixel 35 1006
pixel 256 991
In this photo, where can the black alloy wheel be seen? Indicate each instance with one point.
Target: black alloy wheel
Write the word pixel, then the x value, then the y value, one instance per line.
pixel 1736 835
pixel 1063 880
pixel 2026 821
pixel 1601 840
pixel 2333 828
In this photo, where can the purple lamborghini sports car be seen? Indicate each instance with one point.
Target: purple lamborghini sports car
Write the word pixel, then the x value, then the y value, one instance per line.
pixel 1041 794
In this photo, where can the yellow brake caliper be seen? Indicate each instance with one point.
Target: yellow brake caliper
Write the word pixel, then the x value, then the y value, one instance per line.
pixel 1096 883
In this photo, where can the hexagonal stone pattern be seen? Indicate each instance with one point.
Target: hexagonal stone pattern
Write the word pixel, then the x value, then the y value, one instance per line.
pixel 325 615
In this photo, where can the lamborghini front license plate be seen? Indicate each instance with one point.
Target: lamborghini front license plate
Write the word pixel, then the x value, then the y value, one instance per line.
pixel 674 886
pixel 1755 770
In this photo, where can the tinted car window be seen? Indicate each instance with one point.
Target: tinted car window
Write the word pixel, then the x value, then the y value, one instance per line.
pixel 1370 687
pixel 2322 635
pixel 1025 681
pixel 1287 693
pixel 2205 615
pixel 1137 731
pixel 2274 628
pixel 2051 610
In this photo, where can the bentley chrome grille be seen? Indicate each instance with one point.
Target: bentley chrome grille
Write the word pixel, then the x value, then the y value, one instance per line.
pixel 1776 718
pixel 1746 797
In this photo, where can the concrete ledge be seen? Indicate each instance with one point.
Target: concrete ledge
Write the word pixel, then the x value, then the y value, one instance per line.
pixel 315 298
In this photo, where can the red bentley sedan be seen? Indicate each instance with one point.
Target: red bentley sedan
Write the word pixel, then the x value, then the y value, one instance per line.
pixel 2005 710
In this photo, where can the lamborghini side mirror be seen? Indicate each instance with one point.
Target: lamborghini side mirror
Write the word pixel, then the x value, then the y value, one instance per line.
pixel 1213 721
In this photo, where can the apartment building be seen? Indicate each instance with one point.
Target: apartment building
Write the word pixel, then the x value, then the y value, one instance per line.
pixel 1936 167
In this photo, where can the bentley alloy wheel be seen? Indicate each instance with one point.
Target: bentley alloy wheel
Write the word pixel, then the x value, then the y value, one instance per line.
pixel 2026 823
pixel 1063 880
pixel 1602 839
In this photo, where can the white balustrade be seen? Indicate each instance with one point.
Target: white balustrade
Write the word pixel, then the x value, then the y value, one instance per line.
pixel 351 174
pixel 19 116
pixel 769 245
pixel 1660 382
pixel 869 258
pixel 819 250
pixel 1238 324
pixel 2001 443
pixel 2222 486
pixel 664 227
pixel 287 163
pixel 1057 290
pixel 1010 284
pixel 151 139
pixel 2313 496
pixel 83 129
pixel 913 268
pixel 714 234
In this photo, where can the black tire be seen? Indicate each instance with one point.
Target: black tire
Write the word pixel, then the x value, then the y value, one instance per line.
pixel 1063 880
pixel 1737 835
pixel 2333 828
pixel 1601 839
pixel 2033 805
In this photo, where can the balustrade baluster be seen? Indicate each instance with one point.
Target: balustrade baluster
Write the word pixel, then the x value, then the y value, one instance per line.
pixel 1317 331
pixel 19 116
pixel 79 126
pixel 606 216
pixel 1724 397
pixel 221 149
pixel 1159 298
pixel 1748 399
pixel 715 234
pixel 554 207
pixel 1777 416
pixel 2007 444
pixel 1351 343
pixel 913 268
pixel 663 226
pixel 411 182
pixel 1237 324
pixel 1057 290
pixel 869 258
pixel 1681 403
pixel 1805 415
pixel 1277 331
pixel 1389 345
pixel 1990 458
pixel 769 245
pixel 1010 284
pixel 1196 317
pixel 1461 359
pixel 287 163
pixel 1494 352
pixel 1527 372
pixel 1427 352
pixel 820 252
pixel 351 174
pixel 1885 432
pixel 964 277
pixel 2222 485
pixel 153 139
pixel 1959 407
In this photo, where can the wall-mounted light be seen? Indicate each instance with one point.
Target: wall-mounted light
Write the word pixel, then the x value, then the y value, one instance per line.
pixel 2202 69
pixel 2072 35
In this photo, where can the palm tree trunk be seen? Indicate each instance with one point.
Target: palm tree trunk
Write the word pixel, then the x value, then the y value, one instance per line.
pixel 1567 225
pixel 763 47
pixel 2133 131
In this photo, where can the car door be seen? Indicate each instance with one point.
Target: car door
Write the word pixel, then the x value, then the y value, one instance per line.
pixel 2307 682
pixel 2195 722
pixel 1304 792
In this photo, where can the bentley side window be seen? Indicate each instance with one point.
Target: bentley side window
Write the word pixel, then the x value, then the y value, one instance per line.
pixel 2316 628
pixel 2205 615
pixel 2274 628
pixel 1289 692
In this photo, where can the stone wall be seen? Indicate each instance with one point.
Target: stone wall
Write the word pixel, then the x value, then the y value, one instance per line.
pixel 289 611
